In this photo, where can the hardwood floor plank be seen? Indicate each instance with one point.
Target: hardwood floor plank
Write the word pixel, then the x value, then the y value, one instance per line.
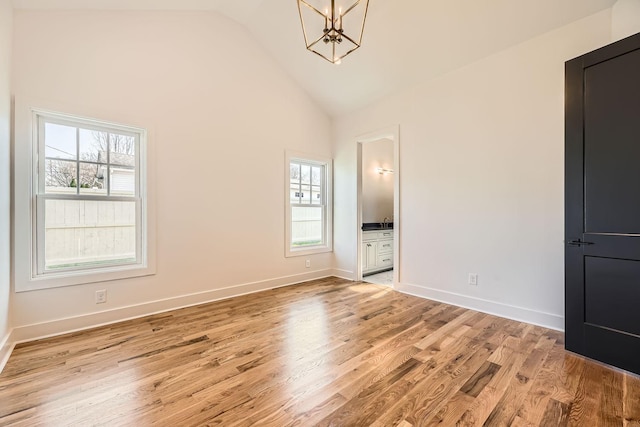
pixel 511 357
pixel 451 411
pixel 443 374
pixel 519 422
pixel 558 379
pixel 505 412
pixel 326 352
pixel 364 407
pixel 610 413
pixel 630 399
pixel 556 414
pixel 480 379
pixel 585 406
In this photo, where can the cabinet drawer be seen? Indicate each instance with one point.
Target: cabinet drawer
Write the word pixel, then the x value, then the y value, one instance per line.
pixel 385 260
pixel 369 235
pixel 385 246
pixel 388 234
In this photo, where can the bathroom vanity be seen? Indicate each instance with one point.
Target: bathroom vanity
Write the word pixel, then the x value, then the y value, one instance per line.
pixel 377 249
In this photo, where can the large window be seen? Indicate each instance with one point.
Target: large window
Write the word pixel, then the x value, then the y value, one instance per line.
pixel 89 196
pixel 308 205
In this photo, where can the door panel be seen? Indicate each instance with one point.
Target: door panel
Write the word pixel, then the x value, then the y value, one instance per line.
pixel 602 204
pixel 611 287
pixel 615 349
pixel 612 148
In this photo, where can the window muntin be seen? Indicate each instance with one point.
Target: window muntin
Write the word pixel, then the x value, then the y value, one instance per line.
pixel 308 205
pixel 89 204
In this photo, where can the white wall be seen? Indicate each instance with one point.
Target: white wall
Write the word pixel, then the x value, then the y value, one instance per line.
pixel 220 114
pixel 6 20
pixel 377 189
pixel 481 177
pixel 625 17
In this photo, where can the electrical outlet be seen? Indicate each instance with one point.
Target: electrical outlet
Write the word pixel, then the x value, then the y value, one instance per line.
pixel 473 279
pixel 101 296
pixel 307 263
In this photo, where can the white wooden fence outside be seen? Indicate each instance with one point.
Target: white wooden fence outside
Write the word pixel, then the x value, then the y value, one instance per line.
pixel 89 231
pixel 306 224
pixel 82 231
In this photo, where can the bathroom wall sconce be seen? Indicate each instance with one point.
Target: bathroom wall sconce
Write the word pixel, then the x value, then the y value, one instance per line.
pixel 383 171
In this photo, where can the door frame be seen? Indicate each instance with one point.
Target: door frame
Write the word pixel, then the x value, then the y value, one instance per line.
pixel 392 133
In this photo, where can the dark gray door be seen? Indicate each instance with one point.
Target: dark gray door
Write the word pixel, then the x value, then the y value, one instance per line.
pixel 602 204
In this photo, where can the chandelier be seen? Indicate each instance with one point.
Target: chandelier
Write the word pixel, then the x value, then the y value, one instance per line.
pixel 332 28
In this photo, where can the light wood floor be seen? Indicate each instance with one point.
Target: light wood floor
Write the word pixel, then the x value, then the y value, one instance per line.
pixel 328 352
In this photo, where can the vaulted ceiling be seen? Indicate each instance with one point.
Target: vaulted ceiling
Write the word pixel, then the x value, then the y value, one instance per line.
pixel 405 41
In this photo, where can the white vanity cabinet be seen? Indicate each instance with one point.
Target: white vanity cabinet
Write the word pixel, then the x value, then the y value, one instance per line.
pixel 369 256
pixel 377 250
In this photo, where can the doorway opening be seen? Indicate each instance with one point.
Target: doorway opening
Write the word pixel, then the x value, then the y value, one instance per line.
pixel 379 207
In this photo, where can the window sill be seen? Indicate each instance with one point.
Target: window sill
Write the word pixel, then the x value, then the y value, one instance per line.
pixel 307 251
pixel 72 278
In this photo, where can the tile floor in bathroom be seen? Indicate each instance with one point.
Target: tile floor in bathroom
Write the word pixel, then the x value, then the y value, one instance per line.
pixel 385 278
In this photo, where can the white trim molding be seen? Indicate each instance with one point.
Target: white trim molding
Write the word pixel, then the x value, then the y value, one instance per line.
pixel 344 274
pixel 6 348
pixel 520 314
pixel 392 133
pixel 326 205
pixel 28 213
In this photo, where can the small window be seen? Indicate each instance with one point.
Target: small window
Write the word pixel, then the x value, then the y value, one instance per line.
pixel 308 205
pixel 89 196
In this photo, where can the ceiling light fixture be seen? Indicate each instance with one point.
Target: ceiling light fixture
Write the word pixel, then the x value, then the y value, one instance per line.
pixel 333 28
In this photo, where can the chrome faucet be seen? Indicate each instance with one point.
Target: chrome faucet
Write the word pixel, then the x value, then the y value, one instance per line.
pixel 385 222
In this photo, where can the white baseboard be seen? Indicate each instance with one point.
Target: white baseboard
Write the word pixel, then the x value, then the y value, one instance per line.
pixel 6 347
pixel 77 323
pixel 521 314
pixel 344 274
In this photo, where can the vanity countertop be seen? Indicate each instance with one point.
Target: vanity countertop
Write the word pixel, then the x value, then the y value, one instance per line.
pixel 376 226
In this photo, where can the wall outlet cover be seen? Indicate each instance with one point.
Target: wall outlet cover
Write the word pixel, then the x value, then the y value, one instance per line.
pixel 101 296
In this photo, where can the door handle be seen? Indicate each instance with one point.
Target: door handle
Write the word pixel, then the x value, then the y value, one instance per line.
pixel 579 243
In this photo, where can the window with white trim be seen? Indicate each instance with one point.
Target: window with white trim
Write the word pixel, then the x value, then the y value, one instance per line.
pixel 90 196
pixel 308 211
